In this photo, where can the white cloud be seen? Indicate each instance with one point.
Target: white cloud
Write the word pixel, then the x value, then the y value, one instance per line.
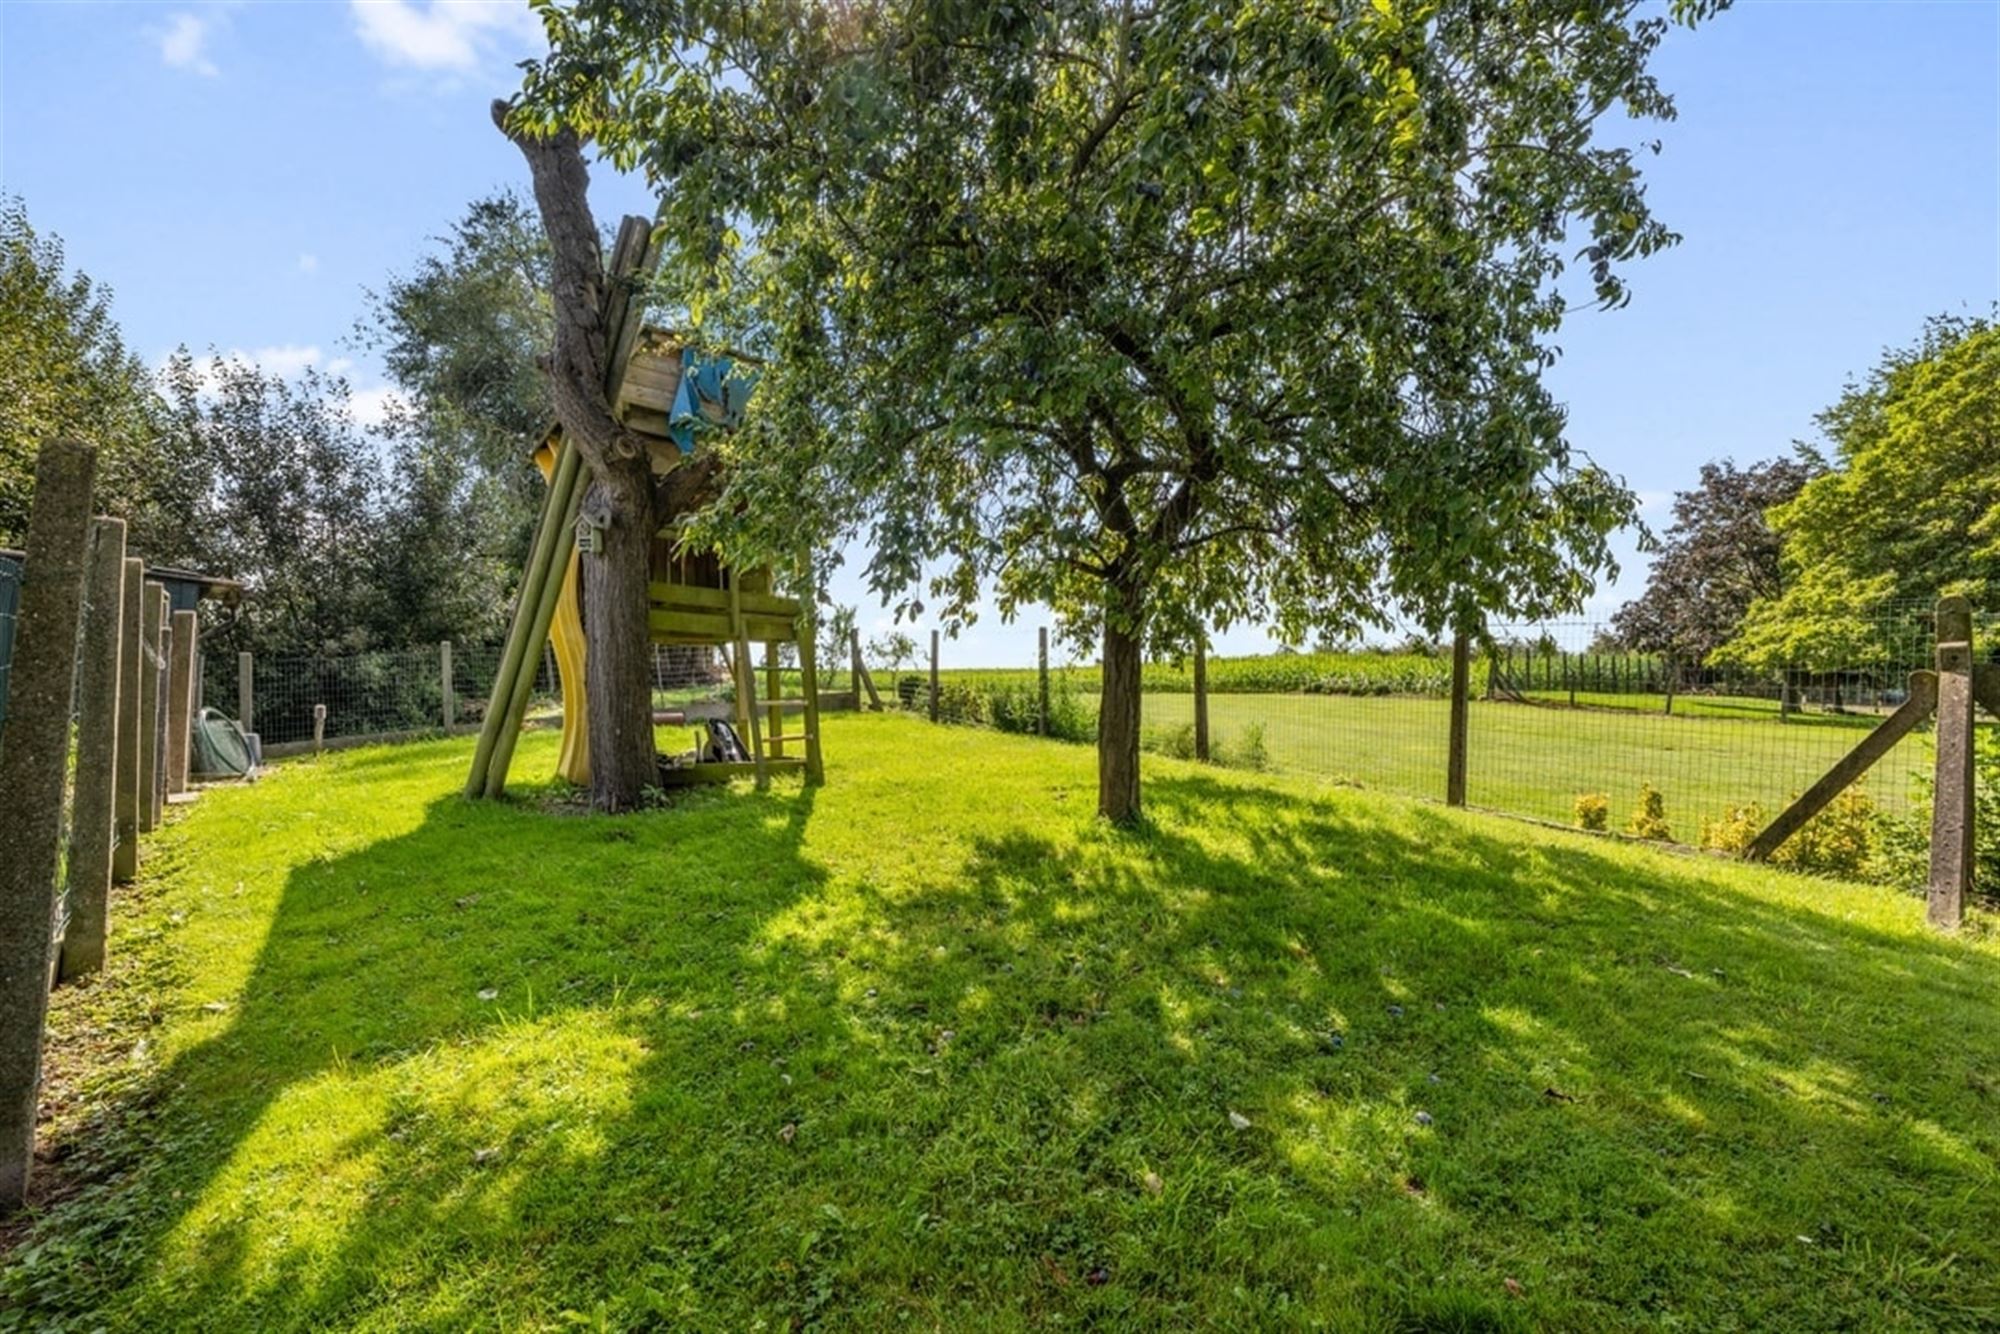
pixel 371 405
pixel 447 35
pixel 308 263
pixel 184 43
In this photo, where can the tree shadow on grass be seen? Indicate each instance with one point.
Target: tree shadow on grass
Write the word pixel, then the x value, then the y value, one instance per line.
pixel 1273 1060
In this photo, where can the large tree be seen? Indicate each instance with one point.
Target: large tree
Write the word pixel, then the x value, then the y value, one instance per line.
pixel 460 334
pixel 1160 313
pixel 1719 556
pixel 65 370
pixel 292 500
pixel 1908 511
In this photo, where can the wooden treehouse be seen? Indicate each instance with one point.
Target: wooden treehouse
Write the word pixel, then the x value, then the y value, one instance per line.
pixel 664 392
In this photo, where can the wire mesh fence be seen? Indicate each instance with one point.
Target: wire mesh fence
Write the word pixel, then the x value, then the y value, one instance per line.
pixel 400 691
pixel 1564 723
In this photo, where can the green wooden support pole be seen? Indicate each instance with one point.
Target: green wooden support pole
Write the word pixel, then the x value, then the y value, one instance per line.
pixel 544 615
pixel 549 535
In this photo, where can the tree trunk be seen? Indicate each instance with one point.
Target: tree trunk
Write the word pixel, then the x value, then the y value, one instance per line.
pixel 618 666
pixel 1118 719
pixel 619 499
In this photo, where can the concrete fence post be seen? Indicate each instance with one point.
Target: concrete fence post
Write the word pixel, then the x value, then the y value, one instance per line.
pixel 34 766
pixel 1953 791
pixel 93 815
pixel 450 703
pixel 181 699
pixel 131 653
pixel 153 705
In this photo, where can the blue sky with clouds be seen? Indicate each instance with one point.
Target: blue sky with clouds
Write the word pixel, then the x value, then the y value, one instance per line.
pixel 240 172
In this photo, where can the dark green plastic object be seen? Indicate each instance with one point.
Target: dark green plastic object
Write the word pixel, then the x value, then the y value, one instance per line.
pixel 220 750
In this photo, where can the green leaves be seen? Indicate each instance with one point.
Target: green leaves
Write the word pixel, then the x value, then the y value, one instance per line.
pixel 1244 306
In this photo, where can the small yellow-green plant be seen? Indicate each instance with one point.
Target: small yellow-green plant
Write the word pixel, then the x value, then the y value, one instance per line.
pixel 1735 831
pixel 1592 811
pixel 1649 817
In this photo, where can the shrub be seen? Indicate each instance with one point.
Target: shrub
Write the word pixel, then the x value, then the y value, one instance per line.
pixel 1903 843
pixel 1174 742
pixel 1839 841
pixel 1735 831
pixel 1649 817
pixel 1593 812
pixel 1843 840
pixel 1247 751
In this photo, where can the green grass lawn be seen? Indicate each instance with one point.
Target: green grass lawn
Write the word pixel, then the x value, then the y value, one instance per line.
pixel 1536 761
pixel 930 1048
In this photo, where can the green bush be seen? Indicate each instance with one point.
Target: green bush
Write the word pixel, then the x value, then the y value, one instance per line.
pixel 1176 743
pixel 1649 817
pixel 1843 840
pixel 1735 831
pixel 1246 751
pixel 1903 843
pixel 1593 812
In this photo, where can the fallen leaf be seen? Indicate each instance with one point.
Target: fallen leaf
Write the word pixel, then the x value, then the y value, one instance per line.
pixel 1557 1095
pixel 1153 1183
pixel 788 1132
pixel 481 1157
pixel 489 993
pixel 1513 1286
pixel 1238 1120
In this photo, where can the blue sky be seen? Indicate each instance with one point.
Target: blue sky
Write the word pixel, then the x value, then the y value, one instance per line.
pixel 239 173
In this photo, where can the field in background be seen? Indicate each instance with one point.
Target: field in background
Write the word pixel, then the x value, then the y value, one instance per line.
pixel 1535 760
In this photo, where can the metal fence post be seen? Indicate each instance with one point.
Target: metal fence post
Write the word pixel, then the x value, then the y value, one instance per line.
pixel 34 766
pixel 246 692
pixel 96 799
pixel 934 676
pixel 1454 781
pixel 1953 792
pixel 450 704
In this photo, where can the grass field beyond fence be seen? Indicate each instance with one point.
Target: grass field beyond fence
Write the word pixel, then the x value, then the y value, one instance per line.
pixel 931 1048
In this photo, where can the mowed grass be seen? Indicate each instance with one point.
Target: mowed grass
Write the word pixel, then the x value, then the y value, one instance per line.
pixel 1535 760
pixel 931 1048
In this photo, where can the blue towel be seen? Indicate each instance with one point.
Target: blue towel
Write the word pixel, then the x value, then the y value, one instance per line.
pixel 713 392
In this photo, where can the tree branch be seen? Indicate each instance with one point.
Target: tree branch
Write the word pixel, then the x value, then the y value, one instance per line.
pixel 577 369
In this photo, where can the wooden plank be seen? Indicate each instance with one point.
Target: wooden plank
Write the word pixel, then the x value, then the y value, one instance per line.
pixel 746 688
pixel 774 683
pixel 1922 699
pixel 698 627
pixel 181 703
pixel 692 597
pixel 1986 687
